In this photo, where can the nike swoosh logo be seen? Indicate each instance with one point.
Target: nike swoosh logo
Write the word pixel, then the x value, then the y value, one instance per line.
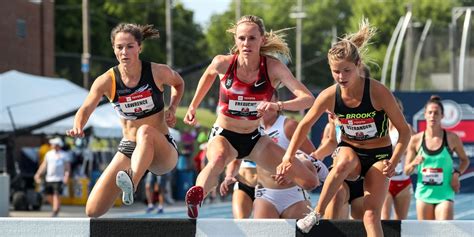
pixel 259 83
pixel 255 136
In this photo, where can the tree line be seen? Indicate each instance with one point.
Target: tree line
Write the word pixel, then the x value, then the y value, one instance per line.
pixel 195 44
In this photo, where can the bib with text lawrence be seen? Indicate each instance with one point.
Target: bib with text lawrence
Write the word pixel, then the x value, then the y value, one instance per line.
pixel 136 102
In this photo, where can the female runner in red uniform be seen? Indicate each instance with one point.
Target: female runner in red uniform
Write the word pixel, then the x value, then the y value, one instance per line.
pixel 247 79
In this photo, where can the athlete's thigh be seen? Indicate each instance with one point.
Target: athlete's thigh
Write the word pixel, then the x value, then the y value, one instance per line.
pixel 105 191
pixel 402 202
pixel 347 157
pixel 387 206
pixel 297 210
pixel 241 204
pixel 357 208
pixel 165 155
pixel 405 193
pixel 264 209
pixel 338 207
pixel 444 211
pixel 424 211
pixel 267 154
pixel 375 187
pixel 219 148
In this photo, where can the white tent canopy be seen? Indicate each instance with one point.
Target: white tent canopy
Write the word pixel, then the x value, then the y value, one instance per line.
pixel 26 100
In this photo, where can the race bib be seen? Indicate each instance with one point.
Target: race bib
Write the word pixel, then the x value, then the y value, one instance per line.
pixel 136 102
pixel 359 129
pixel 243 106
pixel 432 176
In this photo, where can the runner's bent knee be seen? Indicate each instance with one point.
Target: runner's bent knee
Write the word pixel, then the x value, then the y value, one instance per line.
pixel 340 197
pixel 145 129
pixel 372 214
pixel 345 166
pixel 93 211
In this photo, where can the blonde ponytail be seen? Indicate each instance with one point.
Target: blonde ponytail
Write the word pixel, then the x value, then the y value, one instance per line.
pixel 353 47
pixel 275 43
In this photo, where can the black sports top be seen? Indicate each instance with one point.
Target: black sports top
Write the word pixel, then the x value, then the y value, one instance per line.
pixel 363 122
pixel 141 101
pixel 440 149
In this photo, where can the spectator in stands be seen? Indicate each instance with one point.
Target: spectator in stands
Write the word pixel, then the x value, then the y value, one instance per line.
pixel 43 149
pixel 154 190
pixel 57 168
pixel 187 141
pixel 200 158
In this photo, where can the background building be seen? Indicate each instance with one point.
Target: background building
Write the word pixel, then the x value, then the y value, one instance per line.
pixel 27 36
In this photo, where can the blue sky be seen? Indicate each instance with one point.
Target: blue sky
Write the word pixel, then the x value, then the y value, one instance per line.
pixel 203 9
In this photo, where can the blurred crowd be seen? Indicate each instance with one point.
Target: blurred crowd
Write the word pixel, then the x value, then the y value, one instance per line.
pixel 86 158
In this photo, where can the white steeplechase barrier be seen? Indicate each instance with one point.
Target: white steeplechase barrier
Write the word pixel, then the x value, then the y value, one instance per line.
pixel 47 227
pixel 455 228
pixel 142 227
pixel 246 227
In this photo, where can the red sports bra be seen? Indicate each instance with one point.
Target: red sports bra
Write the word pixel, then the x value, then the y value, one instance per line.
pixel 238 99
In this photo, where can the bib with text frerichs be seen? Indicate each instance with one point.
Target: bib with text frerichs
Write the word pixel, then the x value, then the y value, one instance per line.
pixel 243 105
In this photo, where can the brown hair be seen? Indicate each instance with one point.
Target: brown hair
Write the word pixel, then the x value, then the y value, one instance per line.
pixel 140 32
pixel 435 99
pixel 353 46
pixel 274 40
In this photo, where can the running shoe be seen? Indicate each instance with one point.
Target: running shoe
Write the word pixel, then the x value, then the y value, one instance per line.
pixel 160 210
pixel 311 219
pixel 150 209
pixel 193 200
pixel 125 183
